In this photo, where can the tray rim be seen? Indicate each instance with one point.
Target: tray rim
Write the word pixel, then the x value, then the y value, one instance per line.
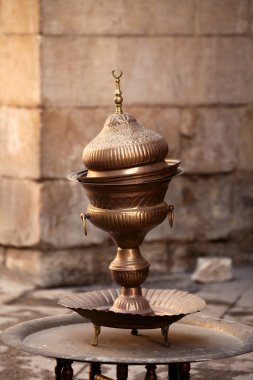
pixel 14 337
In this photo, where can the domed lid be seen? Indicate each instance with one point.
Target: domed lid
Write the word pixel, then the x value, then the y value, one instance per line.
pixel 123 142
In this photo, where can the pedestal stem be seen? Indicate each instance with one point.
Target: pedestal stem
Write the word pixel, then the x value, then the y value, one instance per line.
pixel 129 269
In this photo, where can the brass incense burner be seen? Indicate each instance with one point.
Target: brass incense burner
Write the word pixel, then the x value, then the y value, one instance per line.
pixel 126 177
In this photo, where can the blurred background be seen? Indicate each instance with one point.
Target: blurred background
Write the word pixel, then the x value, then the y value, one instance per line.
pixel 188 74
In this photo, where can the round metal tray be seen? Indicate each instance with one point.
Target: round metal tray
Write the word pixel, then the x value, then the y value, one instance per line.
pixel 194 338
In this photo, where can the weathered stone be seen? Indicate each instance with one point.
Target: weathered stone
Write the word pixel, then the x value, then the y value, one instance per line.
pixel 182 64
pixel 242 202
pixel 222 17
pixel 246 138
pixel 19 70
pixel 183 256
pixel 203 209
pixel 20 131
pixel 213 269
pixel 179 259
pixel 66 132
pixel 20 212
pixel 124 17
pixel 64 267
pixel 61 225
pixel 24 262
pixel 214 146
pixel 156 254
pixel 188 121
pixel 19 16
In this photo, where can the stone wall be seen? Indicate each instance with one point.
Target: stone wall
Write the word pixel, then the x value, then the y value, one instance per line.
pixel 188 74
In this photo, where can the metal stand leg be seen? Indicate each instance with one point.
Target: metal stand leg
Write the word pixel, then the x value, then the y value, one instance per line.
pixel 151 374
pixel 67 371
pixel 165 334
pixel 97 331
pixel 184 371
pixel 122 371
pixel 173 371
pixel 95 369
pixel 58 368
pixel 179 371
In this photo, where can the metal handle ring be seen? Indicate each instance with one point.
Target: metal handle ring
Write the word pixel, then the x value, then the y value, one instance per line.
pixel 84 216
pixel 171 215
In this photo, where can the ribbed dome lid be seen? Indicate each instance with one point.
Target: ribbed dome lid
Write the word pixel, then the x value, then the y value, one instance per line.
pixel 123 142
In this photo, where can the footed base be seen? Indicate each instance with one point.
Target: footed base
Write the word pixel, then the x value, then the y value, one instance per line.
pixel 132 301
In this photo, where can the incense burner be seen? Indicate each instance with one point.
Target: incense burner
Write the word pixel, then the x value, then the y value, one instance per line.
pixel 126 176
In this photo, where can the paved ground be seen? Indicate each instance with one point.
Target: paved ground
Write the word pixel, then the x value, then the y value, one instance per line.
pixel 230 300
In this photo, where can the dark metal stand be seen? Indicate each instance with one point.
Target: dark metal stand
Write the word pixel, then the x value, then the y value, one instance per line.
pixel 95 369
pixel 151 374
pixel 176 371
pixel 179 371
pixel 63 369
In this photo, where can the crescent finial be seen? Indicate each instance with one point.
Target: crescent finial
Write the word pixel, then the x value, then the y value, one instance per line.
pixel 118 99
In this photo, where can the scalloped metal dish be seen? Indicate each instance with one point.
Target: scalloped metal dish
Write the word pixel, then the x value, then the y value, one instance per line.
pixel 169 306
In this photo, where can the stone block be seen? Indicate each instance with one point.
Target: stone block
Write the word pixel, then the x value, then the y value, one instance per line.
pixel 24 262
pixel 19 70
pixel 242 202
pixel 20 132
pixel 63 267
pixel 61 225
pixel 19 16
pixel 76 70
pixel 213 269
pixel 209 141
pixel 245 141
pixel 183 255
pixel 124 17
pixel 188 121
pixel 157 255
pixel 66 132
pixel 20 208
pixel 222 17
pixel 203 209
pixel 179 260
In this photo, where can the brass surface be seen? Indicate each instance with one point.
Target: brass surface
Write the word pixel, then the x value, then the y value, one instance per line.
pixel 167 167
pixel 131 300
pixel 118 100
pixel 125 196
pixel 167 305
pixel 101 377
pixel 171 215
pixel 124 143
pixel 128 227
pixel 84 217
pixel 126 178
pixel 97 331
pixel 129 259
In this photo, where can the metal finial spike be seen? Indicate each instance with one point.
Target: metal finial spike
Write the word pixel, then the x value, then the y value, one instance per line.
pixel 118 99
